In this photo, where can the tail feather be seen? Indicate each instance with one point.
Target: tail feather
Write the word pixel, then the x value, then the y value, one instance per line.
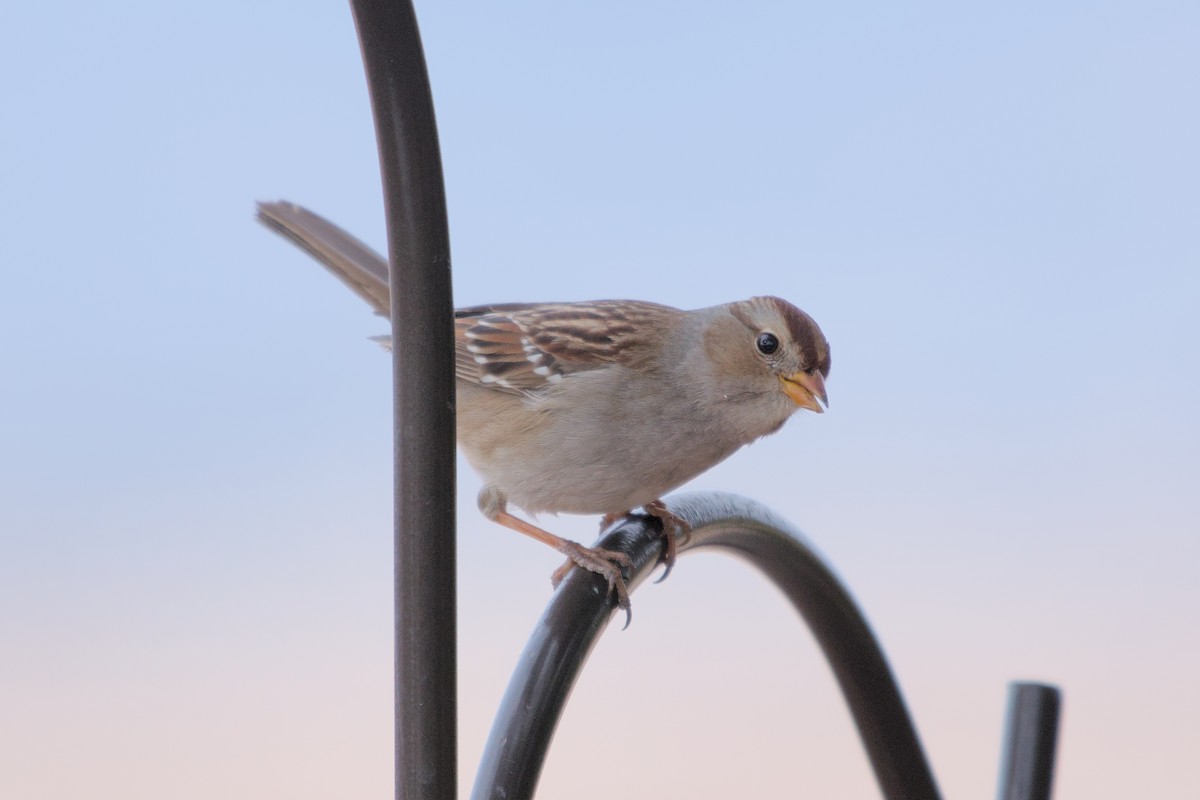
pixel 353 262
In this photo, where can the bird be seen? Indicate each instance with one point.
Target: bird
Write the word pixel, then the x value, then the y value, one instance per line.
pixel 599 407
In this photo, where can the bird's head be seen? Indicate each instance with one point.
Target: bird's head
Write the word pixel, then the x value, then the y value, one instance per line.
pixel 771 346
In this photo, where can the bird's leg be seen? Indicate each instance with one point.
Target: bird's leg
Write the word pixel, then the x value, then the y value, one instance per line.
pixel 606 563
pixel 673 527
pixel 608 519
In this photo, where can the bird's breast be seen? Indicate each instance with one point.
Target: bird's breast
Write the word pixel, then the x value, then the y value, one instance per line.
pixel 591 446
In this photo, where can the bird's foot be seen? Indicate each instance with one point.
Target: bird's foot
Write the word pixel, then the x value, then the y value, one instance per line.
pixel 609 564
pixel 674 527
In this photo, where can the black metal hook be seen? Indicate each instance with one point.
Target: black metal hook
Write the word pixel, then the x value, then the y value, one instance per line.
pixel 571 626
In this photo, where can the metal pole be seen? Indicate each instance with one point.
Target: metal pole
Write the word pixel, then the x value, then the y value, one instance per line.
pixel 1031 734
pixel 422 336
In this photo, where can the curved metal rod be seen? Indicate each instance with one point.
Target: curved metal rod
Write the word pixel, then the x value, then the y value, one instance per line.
pixel 571 625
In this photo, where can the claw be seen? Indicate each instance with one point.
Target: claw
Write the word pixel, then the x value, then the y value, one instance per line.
pixel 609 564
pixel 673 527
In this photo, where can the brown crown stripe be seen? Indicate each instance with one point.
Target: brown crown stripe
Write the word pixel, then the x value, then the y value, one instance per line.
pixel 801 328
pixel 805 332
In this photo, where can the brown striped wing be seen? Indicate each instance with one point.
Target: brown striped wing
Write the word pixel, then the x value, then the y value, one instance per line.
pixel 525 347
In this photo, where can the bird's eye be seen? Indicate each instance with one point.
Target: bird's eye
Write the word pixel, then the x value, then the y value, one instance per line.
pixel 767 343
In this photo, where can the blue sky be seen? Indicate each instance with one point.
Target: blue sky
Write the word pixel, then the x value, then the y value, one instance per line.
pixel 991 210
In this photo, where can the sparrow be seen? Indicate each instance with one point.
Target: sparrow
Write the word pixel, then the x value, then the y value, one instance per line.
pixel 599 407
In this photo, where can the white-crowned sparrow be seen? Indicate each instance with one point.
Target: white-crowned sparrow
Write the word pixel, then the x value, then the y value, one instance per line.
pixel 600 407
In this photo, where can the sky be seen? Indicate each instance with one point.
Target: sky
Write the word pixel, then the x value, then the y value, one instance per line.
pixel 991 210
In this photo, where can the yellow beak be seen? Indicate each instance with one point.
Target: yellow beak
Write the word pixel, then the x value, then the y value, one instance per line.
pixel 807 390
